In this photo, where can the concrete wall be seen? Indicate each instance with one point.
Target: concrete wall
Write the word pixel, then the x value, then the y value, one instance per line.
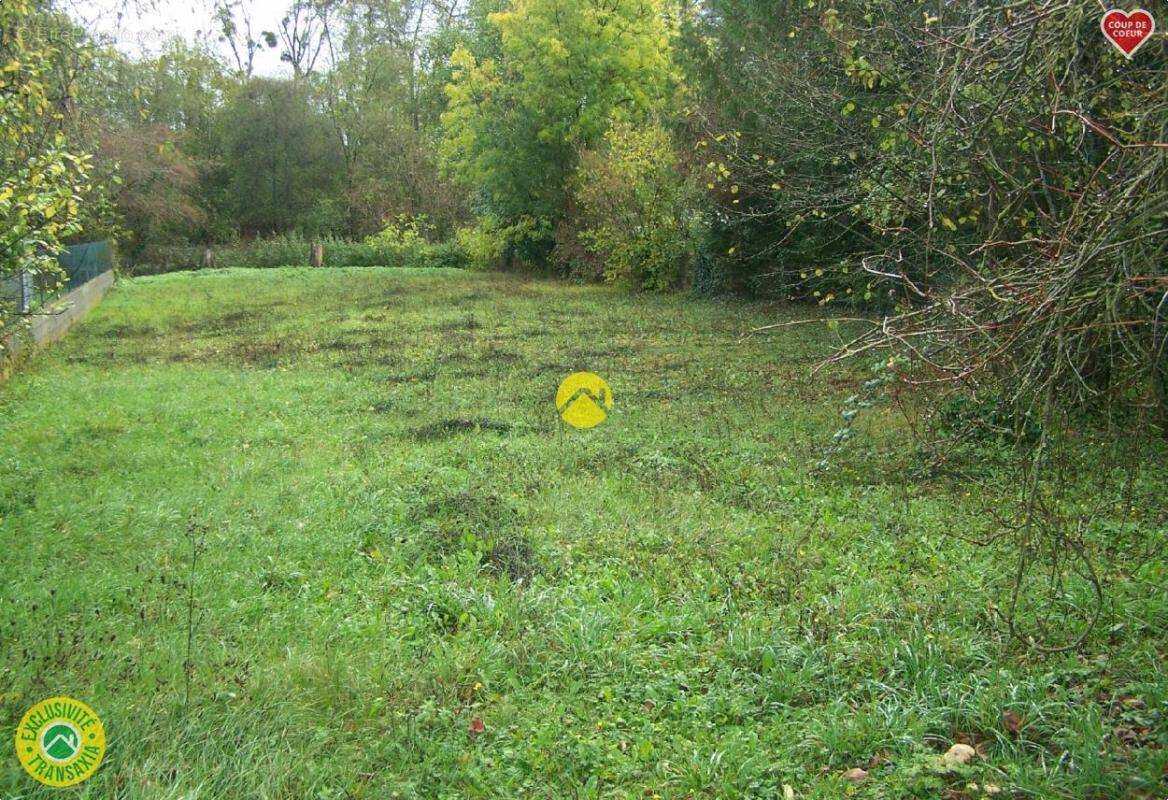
pixel 49 325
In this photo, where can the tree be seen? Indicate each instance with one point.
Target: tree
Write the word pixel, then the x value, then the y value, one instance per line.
pixel 43 180
pixel 281 165
pixel 153 184
pixel 993 178
pixel 565 70
pixel 380 100
pixel 149 123
pixel 235 30
pixel 304 35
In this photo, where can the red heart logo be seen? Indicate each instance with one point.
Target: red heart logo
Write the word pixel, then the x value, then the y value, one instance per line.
pixel 1128 31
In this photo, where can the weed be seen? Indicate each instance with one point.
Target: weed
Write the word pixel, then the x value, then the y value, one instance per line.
pixel 668 604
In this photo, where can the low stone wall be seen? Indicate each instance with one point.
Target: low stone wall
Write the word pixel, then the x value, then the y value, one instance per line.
pixel 49 326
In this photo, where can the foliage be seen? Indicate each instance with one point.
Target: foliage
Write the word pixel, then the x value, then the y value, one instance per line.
pixel 345 143
pixel 403 232
pixel 483 244
pixel 281 167
pixel 383 96
pixel 639 213
pixel 929 165
pixel 408 242
pixel 150 124
pixel 293 249
pixel 152 183
pixel 563 71
pixel 43 180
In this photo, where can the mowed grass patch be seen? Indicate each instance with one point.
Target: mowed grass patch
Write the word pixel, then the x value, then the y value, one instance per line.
pixel 402 576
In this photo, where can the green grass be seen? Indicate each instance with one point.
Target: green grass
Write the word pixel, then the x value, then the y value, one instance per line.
pixel 395 536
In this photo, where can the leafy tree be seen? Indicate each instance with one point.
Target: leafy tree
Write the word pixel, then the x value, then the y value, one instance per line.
pixel 149 123
pixel 281 165
pixel 565 69
pixel 153 184
pixel 235 29
pixel 380 100
pixel 43 180
pixel 992 177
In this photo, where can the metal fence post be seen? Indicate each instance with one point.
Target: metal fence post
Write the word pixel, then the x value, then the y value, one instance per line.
pixel 24 278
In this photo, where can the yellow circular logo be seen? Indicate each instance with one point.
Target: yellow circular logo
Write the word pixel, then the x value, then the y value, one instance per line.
pixel 60 741
pixel 584 400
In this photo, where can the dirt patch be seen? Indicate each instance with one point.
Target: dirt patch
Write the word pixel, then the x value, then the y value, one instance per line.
pixel 469 297
pixel 454 358
pixel 487 517
pixel 468 511
pixel 127 332
pixel 378 316
pixel 453 427
pixel 467 323
pixel 387 300
pixel 373 361
pixel 649 394
pixel 500 357
pixel 610 351
pixel 221 324
pixel 265 355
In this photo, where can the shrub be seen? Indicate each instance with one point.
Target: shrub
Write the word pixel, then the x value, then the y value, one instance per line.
pixel 290 250
pixel 993 180
pixel 278 251
pixel 482 244
pixel 404 232
pixel 155 259
pixel 489 245
pixel 448 255
pixel 541 79
pixel 402 241
pixel 638 213
pixel 43 178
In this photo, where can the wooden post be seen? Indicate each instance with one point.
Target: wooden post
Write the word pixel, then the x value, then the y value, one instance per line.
pixel 317 254
pixel 208 258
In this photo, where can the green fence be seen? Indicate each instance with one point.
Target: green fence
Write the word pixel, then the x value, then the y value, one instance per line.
pixel 24 293
pixel 84 262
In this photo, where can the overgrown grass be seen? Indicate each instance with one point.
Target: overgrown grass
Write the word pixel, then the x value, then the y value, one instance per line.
pixel 397 537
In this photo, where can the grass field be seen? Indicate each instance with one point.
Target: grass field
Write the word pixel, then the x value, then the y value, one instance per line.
pixel 320 534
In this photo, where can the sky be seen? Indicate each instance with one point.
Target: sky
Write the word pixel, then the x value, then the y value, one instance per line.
pixel 142 26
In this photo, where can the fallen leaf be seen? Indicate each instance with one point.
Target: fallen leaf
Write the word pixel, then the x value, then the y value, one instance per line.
pixel 648 706
pixel 477 727
pixel 1012 721
pixel 856 775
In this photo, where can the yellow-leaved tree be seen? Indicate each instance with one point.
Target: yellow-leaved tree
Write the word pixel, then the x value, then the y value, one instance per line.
pixel 42 179
pixel 560 73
